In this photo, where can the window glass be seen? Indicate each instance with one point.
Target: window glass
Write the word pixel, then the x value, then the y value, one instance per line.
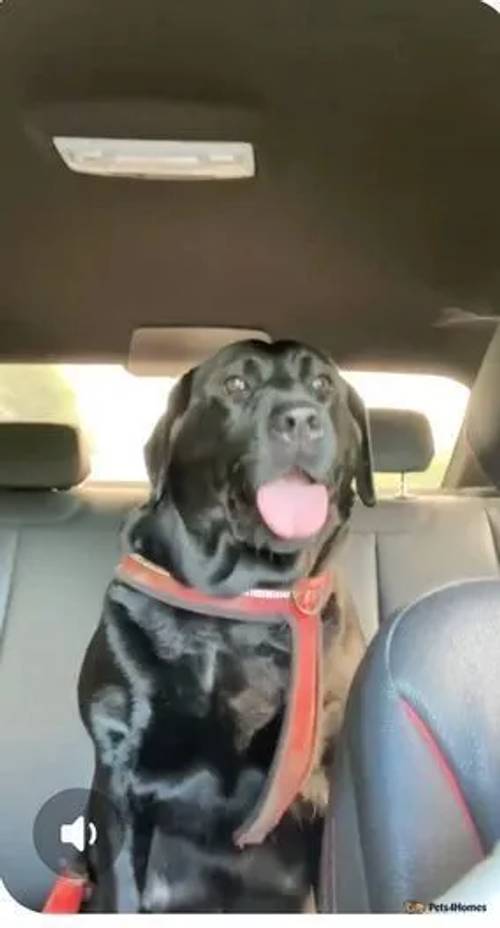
pixel 118 410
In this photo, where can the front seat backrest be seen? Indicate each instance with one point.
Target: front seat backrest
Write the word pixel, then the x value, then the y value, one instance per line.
pixel 416 784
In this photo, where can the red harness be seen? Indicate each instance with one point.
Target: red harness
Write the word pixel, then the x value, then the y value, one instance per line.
pixel 301 608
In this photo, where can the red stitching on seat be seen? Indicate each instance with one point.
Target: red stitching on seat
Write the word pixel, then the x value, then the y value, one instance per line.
pixel 449 776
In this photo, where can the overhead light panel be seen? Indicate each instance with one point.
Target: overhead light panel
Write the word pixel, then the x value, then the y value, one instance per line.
pixel 148 159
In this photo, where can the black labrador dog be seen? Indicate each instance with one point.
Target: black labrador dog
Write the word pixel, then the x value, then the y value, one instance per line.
pixel 252 470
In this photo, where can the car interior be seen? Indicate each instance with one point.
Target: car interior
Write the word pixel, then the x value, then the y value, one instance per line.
pixel 370 230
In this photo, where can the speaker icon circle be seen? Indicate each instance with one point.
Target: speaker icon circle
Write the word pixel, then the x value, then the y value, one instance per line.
pixel 67 828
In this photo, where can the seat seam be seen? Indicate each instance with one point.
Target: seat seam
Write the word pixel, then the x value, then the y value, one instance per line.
pixel 495 544
pixel 436 751
pixel 378 581
pixel 9 567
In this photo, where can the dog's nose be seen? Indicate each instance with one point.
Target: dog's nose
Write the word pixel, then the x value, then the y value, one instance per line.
pixel 298 424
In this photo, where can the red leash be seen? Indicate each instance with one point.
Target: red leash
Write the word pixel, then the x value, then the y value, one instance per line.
pixel 301 608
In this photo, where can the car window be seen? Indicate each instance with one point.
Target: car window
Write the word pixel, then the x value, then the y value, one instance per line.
pixel 117 410
pixel 442 399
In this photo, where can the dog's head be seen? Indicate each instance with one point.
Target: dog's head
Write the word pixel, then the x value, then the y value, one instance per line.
pixel 258 452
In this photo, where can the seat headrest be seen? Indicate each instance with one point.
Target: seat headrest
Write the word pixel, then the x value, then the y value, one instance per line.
pixel 41 456
pixel 402 441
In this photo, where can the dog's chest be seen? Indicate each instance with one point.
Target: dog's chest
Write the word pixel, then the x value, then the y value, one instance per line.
pixel 223 679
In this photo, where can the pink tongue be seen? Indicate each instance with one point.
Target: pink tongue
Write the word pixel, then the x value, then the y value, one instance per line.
pixel 292 507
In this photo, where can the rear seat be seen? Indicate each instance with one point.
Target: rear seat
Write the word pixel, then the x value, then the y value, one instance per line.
pixel 409 545
pixel 58 550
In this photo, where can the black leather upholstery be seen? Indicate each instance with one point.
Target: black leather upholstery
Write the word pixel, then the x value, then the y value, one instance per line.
pixel 416 784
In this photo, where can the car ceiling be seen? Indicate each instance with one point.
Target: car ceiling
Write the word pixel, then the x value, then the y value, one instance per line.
pixel 377 202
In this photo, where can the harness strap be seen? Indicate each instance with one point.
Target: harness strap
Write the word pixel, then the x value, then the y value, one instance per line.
pixel 295 752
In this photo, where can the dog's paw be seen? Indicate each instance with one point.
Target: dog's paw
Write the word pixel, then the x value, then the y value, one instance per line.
pixel 316 791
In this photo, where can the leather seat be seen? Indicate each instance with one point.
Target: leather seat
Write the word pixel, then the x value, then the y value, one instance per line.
pixel 416 797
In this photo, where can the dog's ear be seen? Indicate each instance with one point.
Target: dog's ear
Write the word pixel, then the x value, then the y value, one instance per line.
pixel 156 451
pixel 364 469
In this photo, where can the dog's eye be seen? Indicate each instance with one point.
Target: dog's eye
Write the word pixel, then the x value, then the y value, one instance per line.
pixel 322 385
pixel 235 385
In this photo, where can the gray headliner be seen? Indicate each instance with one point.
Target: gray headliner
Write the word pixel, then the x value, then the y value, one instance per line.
pixel 377 130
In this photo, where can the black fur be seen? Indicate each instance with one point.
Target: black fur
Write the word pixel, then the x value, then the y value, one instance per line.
pixel 185 711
